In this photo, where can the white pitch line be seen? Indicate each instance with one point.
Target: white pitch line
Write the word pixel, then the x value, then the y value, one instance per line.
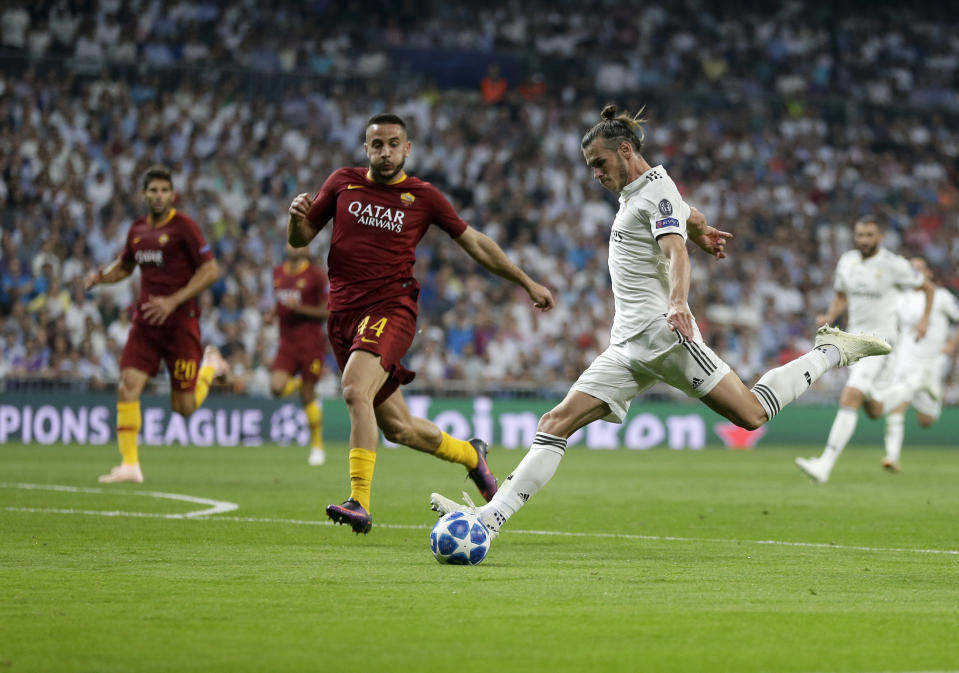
pixel 219 507
pixel 215 506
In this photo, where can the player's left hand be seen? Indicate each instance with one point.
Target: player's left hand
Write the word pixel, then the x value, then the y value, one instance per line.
pixel 712 241
pixel 157 309
pixel 680 319
pixel 541 296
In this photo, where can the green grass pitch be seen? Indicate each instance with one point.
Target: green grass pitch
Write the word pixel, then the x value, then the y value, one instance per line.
pixel 628 561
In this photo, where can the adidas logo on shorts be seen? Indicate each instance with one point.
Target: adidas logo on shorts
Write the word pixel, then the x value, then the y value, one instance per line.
pixel 697 382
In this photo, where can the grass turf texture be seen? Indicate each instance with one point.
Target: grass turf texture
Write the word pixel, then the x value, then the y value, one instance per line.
pixel 83 592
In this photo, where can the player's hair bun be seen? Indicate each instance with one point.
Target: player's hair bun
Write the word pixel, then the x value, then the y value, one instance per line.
pixel 609 112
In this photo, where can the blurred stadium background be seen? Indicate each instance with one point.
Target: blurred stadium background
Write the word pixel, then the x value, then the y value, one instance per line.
pixel 783 122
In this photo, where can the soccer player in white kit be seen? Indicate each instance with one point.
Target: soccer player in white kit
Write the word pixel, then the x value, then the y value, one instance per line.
pixel 919 362
pixel 868 282
pixel 654 336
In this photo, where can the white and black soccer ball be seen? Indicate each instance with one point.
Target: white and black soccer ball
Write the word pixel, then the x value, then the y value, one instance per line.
pixel 460 538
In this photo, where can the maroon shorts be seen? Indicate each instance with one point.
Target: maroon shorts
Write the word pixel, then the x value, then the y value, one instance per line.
pixel 177 345
pixel 300 356
pixel 385 329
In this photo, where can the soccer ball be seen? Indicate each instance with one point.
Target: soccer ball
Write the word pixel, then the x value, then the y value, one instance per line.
pixel 460 538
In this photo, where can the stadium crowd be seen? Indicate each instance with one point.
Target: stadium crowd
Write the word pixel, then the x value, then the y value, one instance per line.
pixel 784 128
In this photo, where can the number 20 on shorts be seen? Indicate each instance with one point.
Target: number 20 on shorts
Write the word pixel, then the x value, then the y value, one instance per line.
pixel 377 327
pixel 184 370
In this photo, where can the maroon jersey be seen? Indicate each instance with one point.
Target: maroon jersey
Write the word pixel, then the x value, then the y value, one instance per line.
pixel 168 256
pixel 375 232
pixel 306 286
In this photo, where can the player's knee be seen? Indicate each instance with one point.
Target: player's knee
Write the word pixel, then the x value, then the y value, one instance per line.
pixel 354 396
pixel 276 391
pixel 184 407
pixel 925 421
pixel 872 408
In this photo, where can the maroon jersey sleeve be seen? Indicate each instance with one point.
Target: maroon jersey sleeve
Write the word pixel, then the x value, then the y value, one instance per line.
pixel 324 203
pixel 444 215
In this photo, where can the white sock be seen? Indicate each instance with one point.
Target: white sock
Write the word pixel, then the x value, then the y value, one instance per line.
pixel 894 433
pixel 534 471
pixel 839 435
pixel 780 386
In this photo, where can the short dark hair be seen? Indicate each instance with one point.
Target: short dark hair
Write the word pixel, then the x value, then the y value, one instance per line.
pixel 617 128
pixel 386 118
pixel 872 219
pixel 157 172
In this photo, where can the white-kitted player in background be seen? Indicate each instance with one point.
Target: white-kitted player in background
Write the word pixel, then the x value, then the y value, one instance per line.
pixel 920 363
pixel 654 336
pixel 868 282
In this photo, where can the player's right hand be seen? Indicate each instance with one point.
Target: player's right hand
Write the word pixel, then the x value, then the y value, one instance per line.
pixel 541 296
pixel 93 278
pixel 300 207
pixel 822 319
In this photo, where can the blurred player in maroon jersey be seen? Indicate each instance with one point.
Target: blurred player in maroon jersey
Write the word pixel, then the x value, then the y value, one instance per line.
pixel 175 266
pixel 379 215
pixel 301 290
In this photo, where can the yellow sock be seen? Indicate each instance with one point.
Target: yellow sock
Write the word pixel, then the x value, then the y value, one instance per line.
pixel 361 475
pixel 128 425
pixel 292 385
pixel 203 381
pixel 314 415
pixel 457 451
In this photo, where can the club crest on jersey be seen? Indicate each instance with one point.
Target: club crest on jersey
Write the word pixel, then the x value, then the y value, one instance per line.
pixel 667 222
pixel 301 283
pixel 665 207
pixel 163 239
pixel 407 198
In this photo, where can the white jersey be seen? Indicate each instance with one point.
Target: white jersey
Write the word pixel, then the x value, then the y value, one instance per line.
pixel 872 287
pixel 649 207
pixel 945 309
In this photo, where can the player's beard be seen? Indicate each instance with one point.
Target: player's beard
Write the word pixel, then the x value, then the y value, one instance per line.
pixel 867 252
pixel 380 176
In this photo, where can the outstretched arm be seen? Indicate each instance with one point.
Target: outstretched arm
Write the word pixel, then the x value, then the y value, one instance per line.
pixel 484 250
pixel 710 239
pixel 679 317
pixel 116 271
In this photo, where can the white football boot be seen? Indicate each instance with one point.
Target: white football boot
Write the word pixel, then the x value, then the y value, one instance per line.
pixel 443 505
pixel 852 346
pixel 317 456
pixel 123 473
pixel 213 357
pixel 814 469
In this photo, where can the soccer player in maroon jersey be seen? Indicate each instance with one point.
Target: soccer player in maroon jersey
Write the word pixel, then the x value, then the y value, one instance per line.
pixel 175 266
pixel 301 290
pixel 379 215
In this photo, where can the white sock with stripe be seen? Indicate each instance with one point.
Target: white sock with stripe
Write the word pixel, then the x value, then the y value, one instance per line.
pixel 780 386
pixel 534 471
pixel 839 435
pixel 894 434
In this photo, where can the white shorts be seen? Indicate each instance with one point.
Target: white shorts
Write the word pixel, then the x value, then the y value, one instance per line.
pixel 658 353
pixel 933 371
pixel 871 375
